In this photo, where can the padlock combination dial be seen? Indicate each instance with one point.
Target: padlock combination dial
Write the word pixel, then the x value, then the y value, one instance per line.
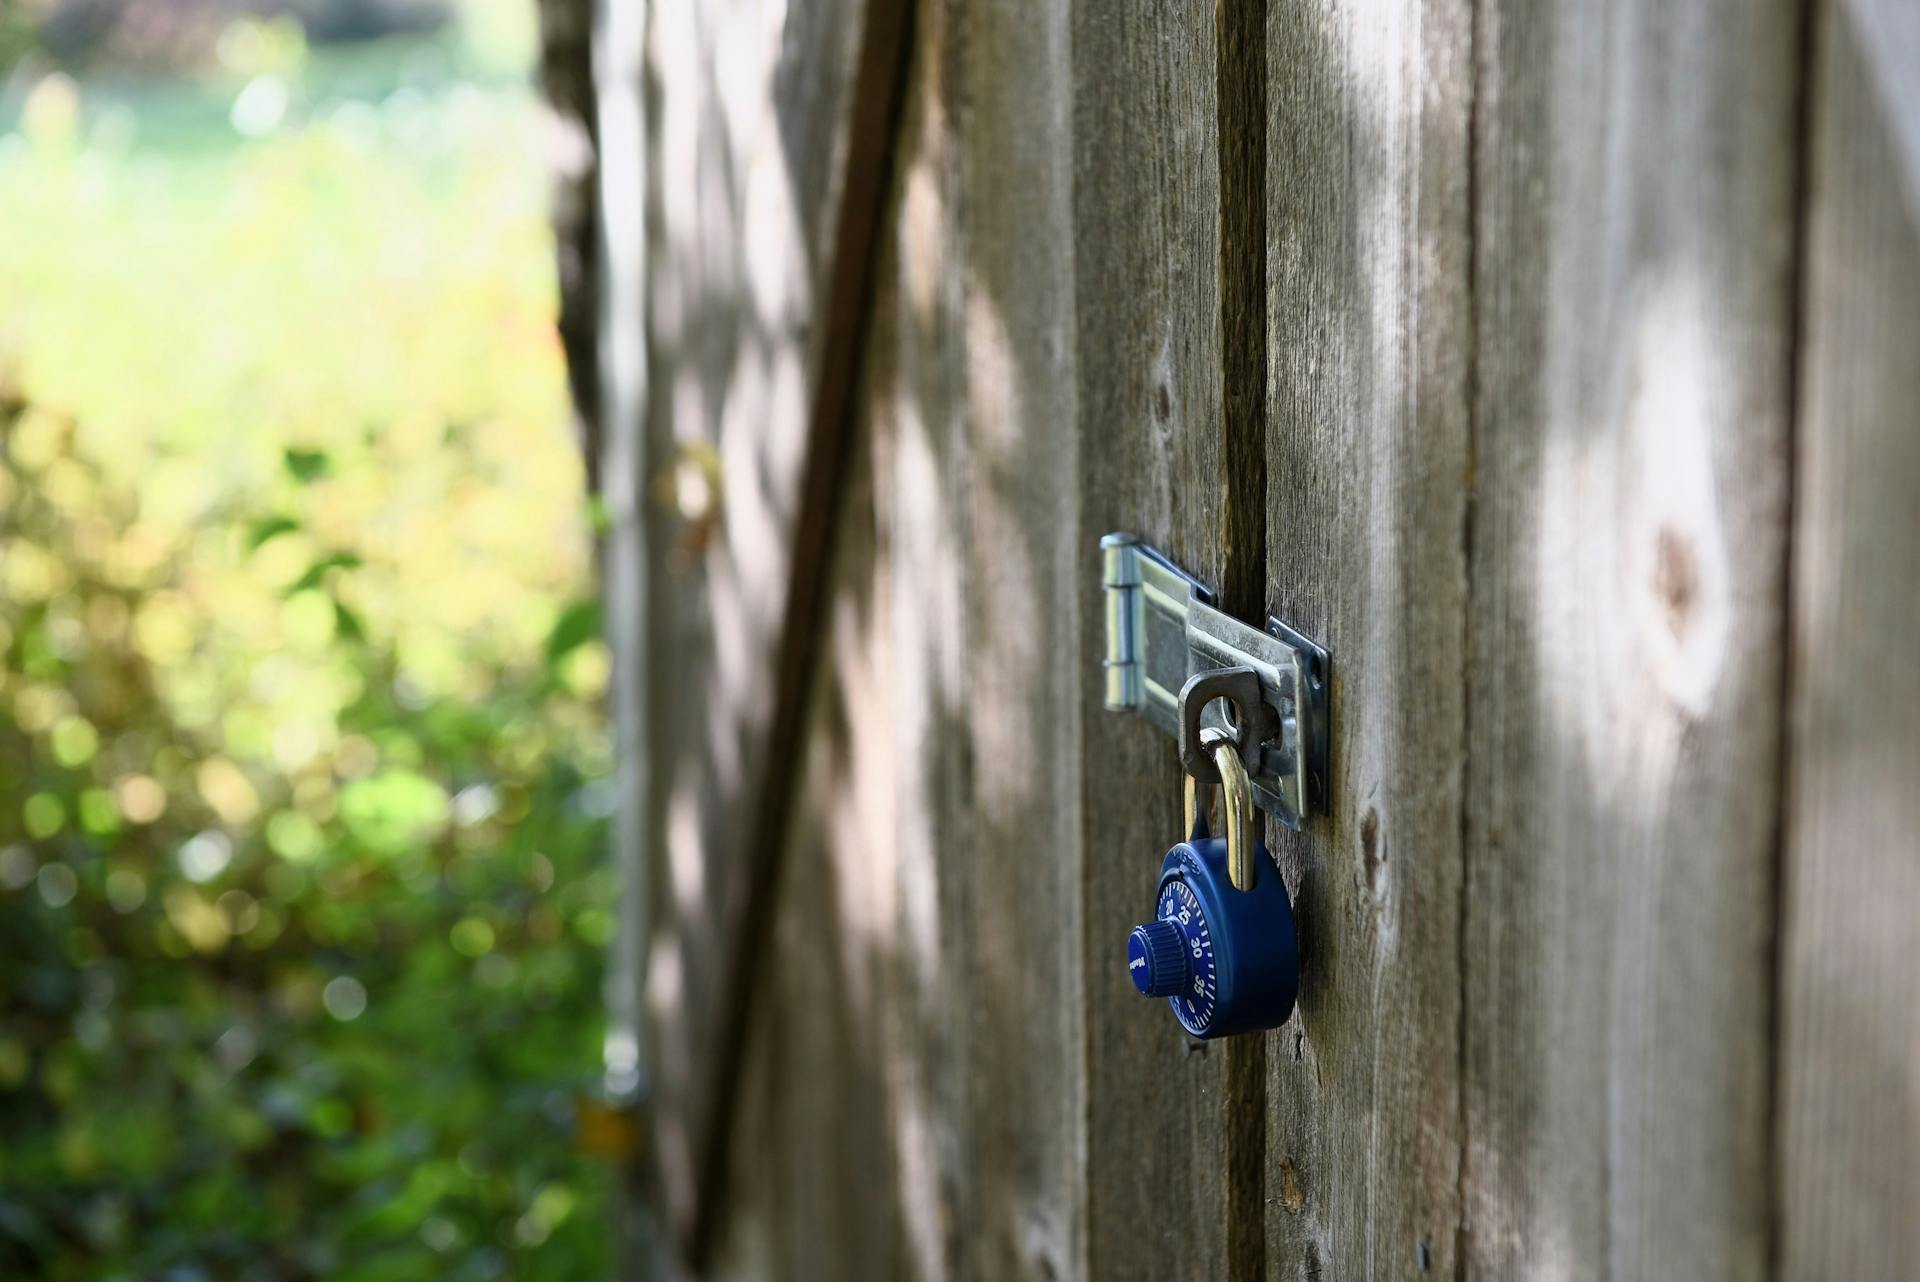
pixel 1221 947
pixel 1172 956
pixel 1225 959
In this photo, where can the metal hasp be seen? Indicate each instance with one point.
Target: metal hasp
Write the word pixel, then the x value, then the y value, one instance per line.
pixel 1163 627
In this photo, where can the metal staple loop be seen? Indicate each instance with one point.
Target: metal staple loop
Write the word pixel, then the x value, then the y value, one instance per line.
pixel 1253 723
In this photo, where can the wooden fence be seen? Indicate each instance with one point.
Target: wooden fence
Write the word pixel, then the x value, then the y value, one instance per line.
pixel 1552 362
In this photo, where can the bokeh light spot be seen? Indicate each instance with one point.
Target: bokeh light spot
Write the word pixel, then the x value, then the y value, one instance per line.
pixel 206 855
pixel 344 997
pixel 57 884
pixel 472 937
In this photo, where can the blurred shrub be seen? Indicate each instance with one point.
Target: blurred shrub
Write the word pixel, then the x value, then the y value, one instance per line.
pixel 175 34
pixel 301 900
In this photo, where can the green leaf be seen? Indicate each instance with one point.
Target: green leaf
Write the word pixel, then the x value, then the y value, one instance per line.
pixel 307 465
pixel 347 624
pixel 578 624
pixel 317 572
pixel 271 528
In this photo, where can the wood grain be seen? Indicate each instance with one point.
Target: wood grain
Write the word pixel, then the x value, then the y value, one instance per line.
pixel 1850 1096
pixel 977 431
pixel 718 339
pixel 1632 291
pixel 1459 333
pixel 948 829
pixel 917 432
pixel 812 1191
pixel 1368 453
pixel 1024 581
pixel 838 332
pixel 1146 210
pixel 750 113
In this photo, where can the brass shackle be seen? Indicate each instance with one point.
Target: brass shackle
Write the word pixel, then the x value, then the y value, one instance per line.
pixel 1238 790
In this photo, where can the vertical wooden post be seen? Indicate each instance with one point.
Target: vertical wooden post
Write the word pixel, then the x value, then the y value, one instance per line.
pixel 1633 232
pixel 1849 1112
pixel 1368 519
pixel 1147 210
pixel 620 363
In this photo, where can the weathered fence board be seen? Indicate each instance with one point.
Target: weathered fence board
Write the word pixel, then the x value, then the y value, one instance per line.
pixel 916 429
pixel 749 122
pixel 1367 518
pixel 1850 1110
pixel 1023 579
pixel 825 1144
pixel 811 1179
pixel 1147 334
pixel 1632 291
pixel 1460 333
pixel 956 632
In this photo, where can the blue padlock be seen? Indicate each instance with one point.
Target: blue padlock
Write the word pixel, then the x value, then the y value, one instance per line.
pixel 1221 948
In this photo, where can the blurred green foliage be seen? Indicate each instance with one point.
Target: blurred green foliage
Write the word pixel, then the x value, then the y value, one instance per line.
pixel 302 907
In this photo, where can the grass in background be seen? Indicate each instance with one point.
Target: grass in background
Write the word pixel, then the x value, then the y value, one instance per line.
pixel 301 898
